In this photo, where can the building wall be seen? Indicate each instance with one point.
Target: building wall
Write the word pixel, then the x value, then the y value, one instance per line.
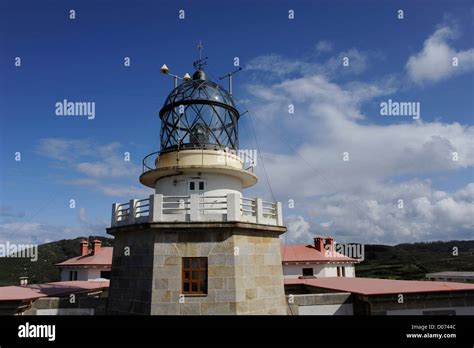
pixel 215 184
pixel 244 270
pixel 416 303
pixel 84 304
pixel 321 270
pixel 320 304
pixel 335 309
pixel 83 273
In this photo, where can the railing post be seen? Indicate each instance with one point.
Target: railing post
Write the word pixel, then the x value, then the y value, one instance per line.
pixel 132 211
pixel 233 207
pixel 259 210
pixel 279 214
pixel 194 207
pixel 114 215
pixel 156 208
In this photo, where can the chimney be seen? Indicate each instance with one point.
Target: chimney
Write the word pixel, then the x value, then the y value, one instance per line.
pixel 329 244
pixel 84 248
pixel 319 243
pixel 96 245
pixel 23 281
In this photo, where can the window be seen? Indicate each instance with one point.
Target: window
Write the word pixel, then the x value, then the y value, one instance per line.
pixel 338 271
pixel 307 271
pixel 72 275
pixel 194 277
pixel 343 271
pixel 105 274
pixel 196 185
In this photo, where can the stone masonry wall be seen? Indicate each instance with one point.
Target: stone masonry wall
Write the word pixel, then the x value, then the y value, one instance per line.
pixel 244 271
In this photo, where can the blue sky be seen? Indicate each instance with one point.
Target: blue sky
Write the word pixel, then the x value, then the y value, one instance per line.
pixel 67 158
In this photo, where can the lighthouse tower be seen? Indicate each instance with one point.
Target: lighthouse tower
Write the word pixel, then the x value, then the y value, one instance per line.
pixel 197 245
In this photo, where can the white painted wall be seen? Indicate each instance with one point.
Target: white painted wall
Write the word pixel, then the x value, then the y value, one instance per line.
pixel 216 184
pixel 83 273
pixel 321 270
pixel 335 309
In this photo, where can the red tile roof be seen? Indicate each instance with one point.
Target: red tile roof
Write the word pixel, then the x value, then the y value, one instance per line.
pixel 102 258
pixel 373 286
pixel 308 253
pixel 34 291
pixel 18 293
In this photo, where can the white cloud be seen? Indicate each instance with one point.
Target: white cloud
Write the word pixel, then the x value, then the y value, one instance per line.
pixel 277 66
pixel 38 233
pixel 299 230
pixel 123 190
pixel 435 61
pixel 324 46
pixel 373 215
pixel 356 200
pixel 96 166
pixel 88 157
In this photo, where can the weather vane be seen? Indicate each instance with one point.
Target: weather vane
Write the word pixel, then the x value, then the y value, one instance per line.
pixel 199 64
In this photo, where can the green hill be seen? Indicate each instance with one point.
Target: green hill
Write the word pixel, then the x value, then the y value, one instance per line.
pixel 403 261
pixel 413 261
pixel 43 270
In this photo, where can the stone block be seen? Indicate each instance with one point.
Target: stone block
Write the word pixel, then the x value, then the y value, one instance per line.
pixel 215 308
pixel 161 284
pixel 251 294
pixel 190 308
pixel 172 261
pixel 216 283
pixel 162 296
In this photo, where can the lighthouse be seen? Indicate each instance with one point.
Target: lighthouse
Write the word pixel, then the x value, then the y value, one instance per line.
pixel 197 245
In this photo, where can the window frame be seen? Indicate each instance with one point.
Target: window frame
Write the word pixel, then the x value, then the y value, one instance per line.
pixel 188 267
pixel 196 185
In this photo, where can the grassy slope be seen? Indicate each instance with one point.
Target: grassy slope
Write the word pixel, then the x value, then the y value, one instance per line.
pixel 413 261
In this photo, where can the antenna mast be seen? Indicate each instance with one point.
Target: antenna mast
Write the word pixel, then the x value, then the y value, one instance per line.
pixel 229 75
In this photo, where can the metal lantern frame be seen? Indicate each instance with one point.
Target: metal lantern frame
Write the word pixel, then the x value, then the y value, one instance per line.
pixel 199 104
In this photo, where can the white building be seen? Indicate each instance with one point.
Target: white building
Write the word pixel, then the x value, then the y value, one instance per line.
pixel 316 261
pixel 92 264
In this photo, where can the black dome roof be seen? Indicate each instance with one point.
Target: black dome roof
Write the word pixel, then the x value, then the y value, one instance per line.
pixel 199 89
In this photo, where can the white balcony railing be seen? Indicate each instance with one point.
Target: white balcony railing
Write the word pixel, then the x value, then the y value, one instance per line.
pixel 232 207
